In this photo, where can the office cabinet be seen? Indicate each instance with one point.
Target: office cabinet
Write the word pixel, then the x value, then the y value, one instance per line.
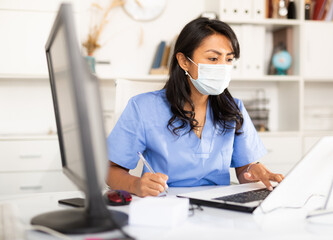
pixel 29 155
pixel 33 182
pixel 31 164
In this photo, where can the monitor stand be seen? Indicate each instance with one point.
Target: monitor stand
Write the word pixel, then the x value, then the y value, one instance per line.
pixel 95 217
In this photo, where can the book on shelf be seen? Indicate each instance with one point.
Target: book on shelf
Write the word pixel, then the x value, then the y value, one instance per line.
pixel 322 10
pixel 158 55
pixel 163 57
pixel 328 16
pixel 318 9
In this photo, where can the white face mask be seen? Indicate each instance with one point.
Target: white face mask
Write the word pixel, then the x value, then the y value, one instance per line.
pixel 213 79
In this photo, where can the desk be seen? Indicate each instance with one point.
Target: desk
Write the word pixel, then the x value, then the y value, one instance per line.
pixel 211 223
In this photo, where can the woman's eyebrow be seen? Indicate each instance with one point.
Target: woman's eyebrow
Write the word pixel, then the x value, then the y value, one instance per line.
pixel 219 53
pixel 215 51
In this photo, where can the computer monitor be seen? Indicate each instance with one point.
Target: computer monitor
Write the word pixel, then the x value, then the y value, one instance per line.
pixel 78 114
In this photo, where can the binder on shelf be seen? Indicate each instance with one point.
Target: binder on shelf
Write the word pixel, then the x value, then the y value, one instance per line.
pixel 258 39
pixel 224 10
pixel 252 45
pixel 259 9
pixel 245 9
pixel 230 10
pixel 236 72
pixel 247 49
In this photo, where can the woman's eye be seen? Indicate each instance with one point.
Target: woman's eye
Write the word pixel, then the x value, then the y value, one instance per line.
pixel 213 59
pixel 230 60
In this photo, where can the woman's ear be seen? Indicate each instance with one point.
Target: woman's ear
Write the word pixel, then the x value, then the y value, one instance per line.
pixel 182 61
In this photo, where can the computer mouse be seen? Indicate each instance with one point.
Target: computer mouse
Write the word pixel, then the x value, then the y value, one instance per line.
pixel 117 197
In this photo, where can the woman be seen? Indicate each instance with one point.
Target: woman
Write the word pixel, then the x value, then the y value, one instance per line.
pixel 192 131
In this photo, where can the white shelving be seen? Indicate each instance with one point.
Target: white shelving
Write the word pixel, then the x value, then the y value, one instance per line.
pixel 301 109
pixel 270 22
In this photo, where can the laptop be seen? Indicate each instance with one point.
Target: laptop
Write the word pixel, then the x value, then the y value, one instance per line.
pixel 308 180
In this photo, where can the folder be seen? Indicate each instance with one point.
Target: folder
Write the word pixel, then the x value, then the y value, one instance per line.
pixel 230 9
pixel 236 72
pixel 247 49
pixel 259 9
pixel 258 50
pixel 245 9
pixel 225 10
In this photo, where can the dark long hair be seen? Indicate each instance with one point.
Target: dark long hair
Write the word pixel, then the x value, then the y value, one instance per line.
pixel 225 111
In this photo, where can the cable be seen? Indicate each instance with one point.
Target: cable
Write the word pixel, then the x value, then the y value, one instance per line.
pixel 129 237
pixel 49 231
pixel 65 237
pixel 291 207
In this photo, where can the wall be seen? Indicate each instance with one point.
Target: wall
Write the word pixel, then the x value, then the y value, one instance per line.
pixel 26 104
pixel 121 38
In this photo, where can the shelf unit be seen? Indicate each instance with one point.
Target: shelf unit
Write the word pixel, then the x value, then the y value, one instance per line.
pixel 294 97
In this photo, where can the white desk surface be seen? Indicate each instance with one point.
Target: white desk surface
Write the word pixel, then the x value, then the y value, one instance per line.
pixel 211 223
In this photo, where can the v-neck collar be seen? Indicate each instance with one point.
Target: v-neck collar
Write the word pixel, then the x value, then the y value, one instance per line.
pixel 207 134
pixel 207 116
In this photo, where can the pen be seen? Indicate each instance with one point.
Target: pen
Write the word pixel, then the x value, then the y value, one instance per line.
pixel 148 166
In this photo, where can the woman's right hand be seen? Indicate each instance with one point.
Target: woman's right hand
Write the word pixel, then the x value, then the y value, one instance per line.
pixel 151 184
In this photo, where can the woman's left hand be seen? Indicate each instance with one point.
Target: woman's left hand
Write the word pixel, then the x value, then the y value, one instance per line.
pixel 258 172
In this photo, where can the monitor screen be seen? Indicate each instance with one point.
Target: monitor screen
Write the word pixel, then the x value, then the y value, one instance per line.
pixel 81 135
pixel 68 124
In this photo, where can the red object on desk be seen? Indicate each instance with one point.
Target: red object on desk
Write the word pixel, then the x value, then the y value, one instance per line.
pixel 117 197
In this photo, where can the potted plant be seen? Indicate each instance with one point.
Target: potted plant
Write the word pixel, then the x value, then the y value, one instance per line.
pixel 97 24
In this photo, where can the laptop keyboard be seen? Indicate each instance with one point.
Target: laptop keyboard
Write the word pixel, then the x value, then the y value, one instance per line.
pixel 246 197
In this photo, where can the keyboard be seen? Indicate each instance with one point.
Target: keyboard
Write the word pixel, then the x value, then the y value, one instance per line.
pixel 245 197
pixel 10 226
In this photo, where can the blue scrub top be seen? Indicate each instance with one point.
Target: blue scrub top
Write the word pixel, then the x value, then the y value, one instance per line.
pixel 187 160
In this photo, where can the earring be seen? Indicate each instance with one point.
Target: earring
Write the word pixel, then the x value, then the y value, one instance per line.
pixel 186 73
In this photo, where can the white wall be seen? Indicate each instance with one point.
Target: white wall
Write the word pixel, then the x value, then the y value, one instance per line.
pixel 121 38
pixel 26 104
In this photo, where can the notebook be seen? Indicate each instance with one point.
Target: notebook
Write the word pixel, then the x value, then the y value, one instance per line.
pixel 307 183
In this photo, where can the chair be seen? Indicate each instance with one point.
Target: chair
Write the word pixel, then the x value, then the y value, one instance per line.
pixel 125 89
